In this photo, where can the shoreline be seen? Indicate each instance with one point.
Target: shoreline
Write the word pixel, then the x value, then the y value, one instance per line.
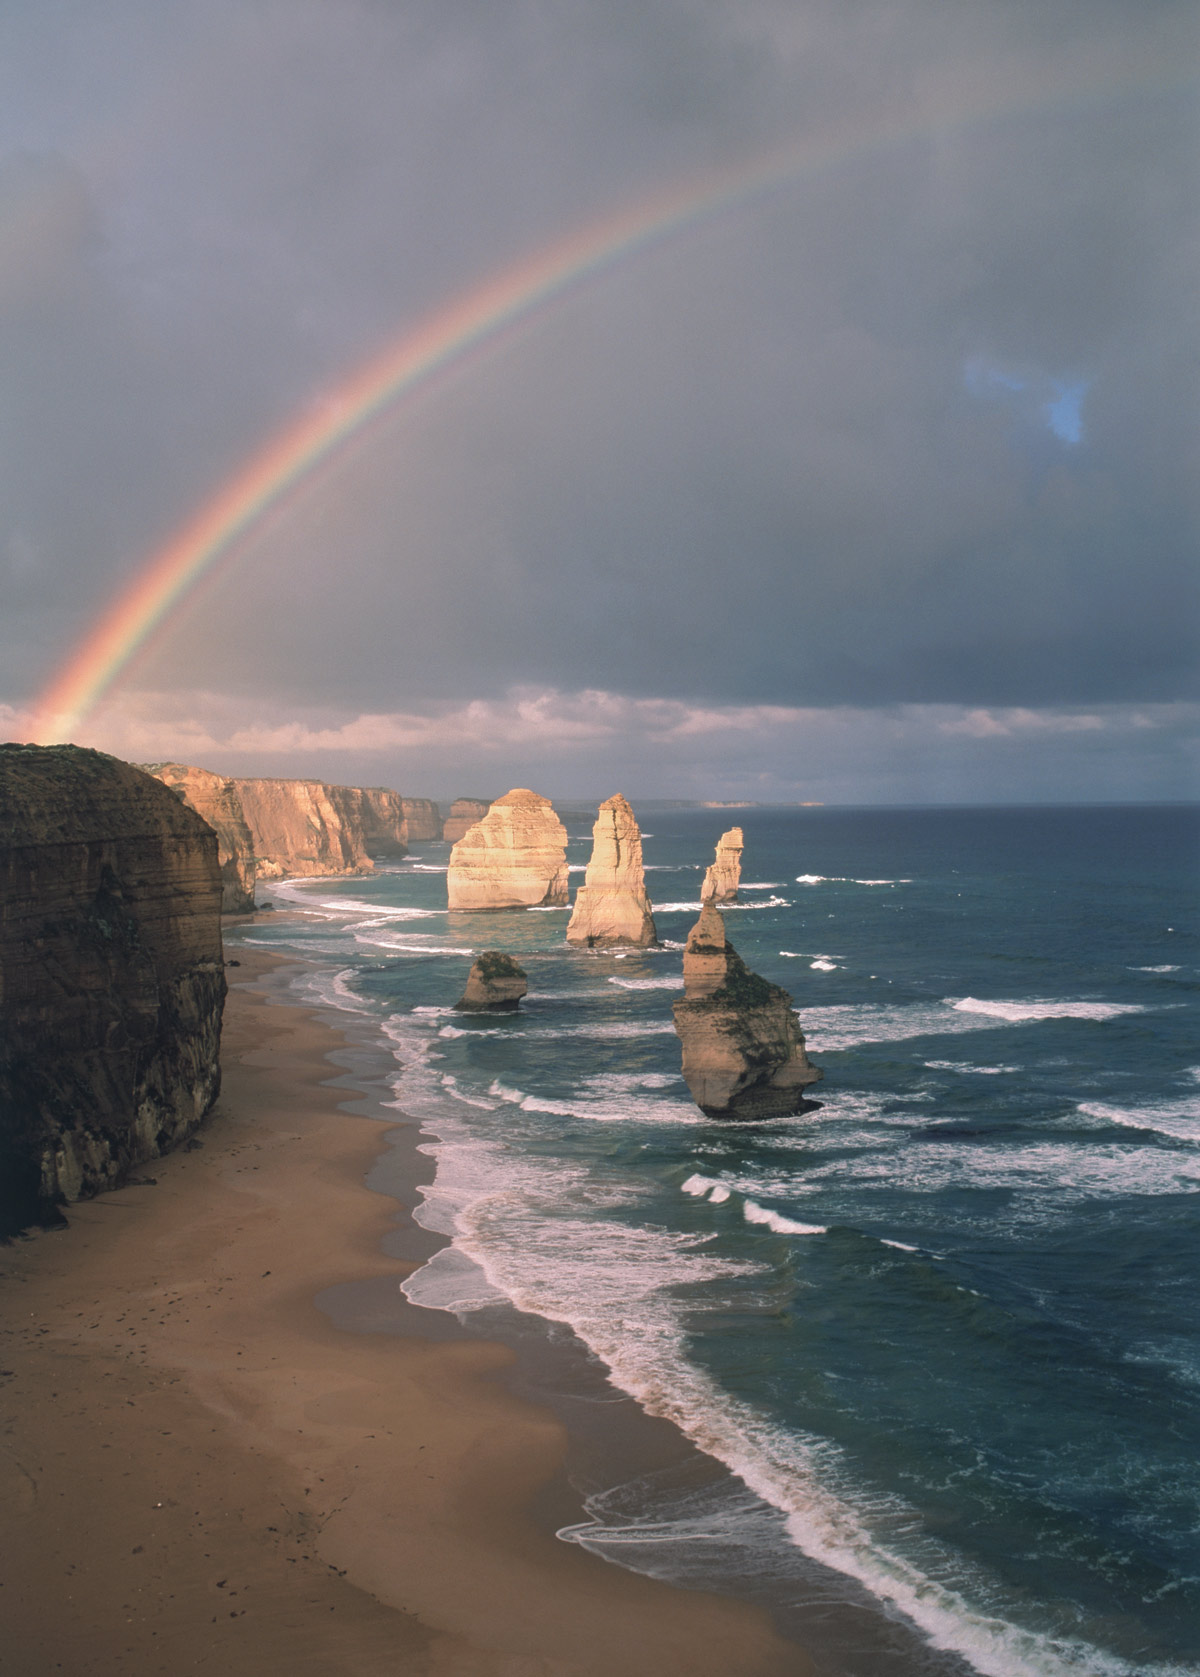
pixel 205 1471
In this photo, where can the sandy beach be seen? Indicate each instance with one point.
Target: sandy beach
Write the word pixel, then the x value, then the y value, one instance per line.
pixel 202 1472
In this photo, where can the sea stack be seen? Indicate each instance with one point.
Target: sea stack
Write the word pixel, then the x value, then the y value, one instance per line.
pixel 743 1051
pixel 464 813
pixel 515 857
pixel 495 984
pixel 724 876
pixel 611 906
pixel 217 800
pixel 111 972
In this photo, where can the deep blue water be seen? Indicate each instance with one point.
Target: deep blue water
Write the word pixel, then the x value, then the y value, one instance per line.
pixel 947 1327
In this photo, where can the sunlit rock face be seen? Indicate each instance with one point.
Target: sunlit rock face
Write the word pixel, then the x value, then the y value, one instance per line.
pixel 304 827
pixel 464 813
pixel 515 857
pixel 743 1050
pixel 611 906
pixel 217 800
pixel 111 973
pixel 495 984
pixel 384 823
pixel 724 876
pixel 422 820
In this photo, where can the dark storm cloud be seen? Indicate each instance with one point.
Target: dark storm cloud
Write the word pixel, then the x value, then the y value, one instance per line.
pixel 806 453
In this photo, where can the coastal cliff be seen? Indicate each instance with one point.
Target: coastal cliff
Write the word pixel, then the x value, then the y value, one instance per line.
pixel 611 906
pixel 464 813
pixel 111 973
pixel 422 820
pixel 217 800
pixel 304 827
pixel 743 1050
pixel 725 874
pixel 515 857
pixel 385 827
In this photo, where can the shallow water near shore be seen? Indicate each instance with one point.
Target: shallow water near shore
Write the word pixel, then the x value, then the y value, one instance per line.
pixel 943 1331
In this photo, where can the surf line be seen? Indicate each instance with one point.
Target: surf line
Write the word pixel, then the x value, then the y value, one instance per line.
pixel 441 338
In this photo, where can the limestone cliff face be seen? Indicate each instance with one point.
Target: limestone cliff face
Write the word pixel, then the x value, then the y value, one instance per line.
pixel 725 875
pixel 216 799
pixel 464 813
pixel 111 973
pixel 495 984
pixel 422 820
pixel 611 906
pixel 304 827
pixel 743 1051
pixel 384 823
pixel 515 857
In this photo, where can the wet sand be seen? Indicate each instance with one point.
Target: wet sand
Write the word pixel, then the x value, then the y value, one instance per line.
pixel 201 1471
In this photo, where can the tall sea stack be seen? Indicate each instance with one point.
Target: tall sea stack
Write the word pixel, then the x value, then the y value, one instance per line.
pixel 725 874
pixel 611 906
pixel 111 973
pixel 516 857
pixel 743 1050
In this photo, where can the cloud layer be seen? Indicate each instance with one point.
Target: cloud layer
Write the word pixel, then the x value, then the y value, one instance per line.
pixel 912 430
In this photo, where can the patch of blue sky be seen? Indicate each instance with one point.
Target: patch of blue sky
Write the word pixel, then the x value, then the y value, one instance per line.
pixel 1053 402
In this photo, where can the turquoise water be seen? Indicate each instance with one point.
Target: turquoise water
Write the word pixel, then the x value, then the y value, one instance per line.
pixel 945 1329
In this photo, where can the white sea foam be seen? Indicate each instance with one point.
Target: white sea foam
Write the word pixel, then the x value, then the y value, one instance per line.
pixel 419 948
pixel 771 885
pixel 823 966
pixel 1019 1012
pixel 617 1285
pixel 839 879
pixel 1179 1119
pixel 678 908
pixel 706 1187
pixel 1155 969
pixel 648 983
pixel 900 1245
pixel 426 867
pixel 969 1066
pixel 775 1221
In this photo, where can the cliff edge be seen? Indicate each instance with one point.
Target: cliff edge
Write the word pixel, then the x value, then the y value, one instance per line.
pixel 111 973
pixel 516 857
pixel 611 906
pixel 304 827
pixel 217 800
pixel 743 1050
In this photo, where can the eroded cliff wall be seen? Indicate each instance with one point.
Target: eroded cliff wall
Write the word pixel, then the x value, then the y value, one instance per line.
pixel 304 827
pixel 111 973
pixel 217 800
pixel 464 813
pixel 384 822
pixel 422 820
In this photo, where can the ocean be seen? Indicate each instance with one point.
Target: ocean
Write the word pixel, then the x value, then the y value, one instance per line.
pixel 943 1332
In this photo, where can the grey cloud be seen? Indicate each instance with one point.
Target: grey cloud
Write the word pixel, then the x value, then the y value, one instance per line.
pixel 748 464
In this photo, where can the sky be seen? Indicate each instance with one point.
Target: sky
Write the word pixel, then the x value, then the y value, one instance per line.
pixel 875 484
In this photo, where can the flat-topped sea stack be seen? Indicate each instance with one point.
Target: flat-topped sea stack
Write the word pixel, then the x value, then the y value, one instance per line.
pixel 515 857
pixel 383 820
pixel 725 875
pixel 495 984
pixel 611 906
pixel 111 973
pixel 743 1050
pixel 422 820
pixel 304 827
pixel 217 800
pixel 464 813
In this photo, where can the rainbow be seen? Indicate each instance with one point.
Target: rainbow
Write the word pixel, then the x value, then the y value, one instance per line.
pixel 441 338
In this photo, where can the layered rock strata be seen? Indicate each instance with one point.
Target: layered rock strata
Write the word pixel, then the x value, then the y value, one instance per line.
pixel 304 827
pixel 422 820
pixel 495 984
pixel 725 875
pixel 611 906
pixel 743 1050
pixel 111 973
pixel 385 826
pixel 515 857
pixel 464 813
pixel 217 800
